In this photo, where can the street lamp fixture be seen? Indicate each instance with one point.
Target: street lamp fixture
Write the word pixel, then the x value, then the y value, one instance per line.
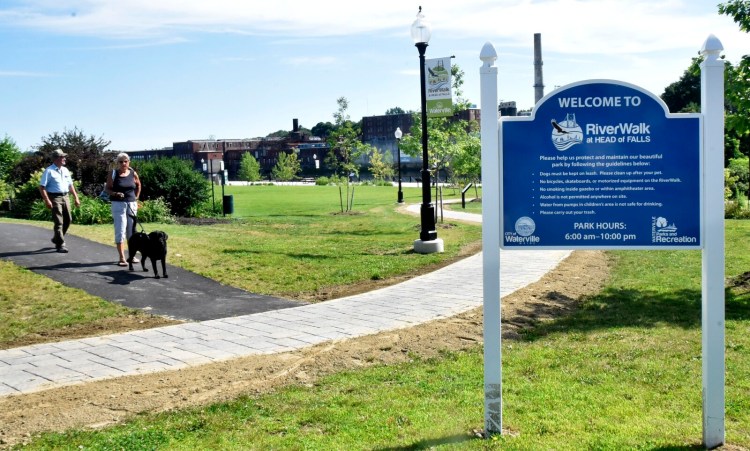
pixel 428 241
pixel 398 135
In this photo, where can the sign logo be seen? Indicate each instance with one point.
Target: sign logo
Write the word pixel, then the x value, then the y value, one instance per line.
pixel 566 133
pixel 524 232
pixel 664 232
pixel 525 226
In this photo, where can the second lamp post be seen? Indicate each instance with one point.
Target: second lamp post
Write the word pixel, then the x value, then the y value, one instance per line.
pixel 398 135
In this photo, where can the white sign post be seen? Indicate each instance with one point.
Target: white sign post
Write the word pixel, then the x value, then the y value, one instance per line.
pixel 710 221
pixel 493 380
pixel 712 321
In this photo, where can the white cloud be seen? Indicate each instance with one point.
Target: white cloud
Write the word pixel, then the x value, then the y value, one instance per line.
pixel 646 42
pixel 310 60
pixel 147 18
pixel 568 26
pixel 24 74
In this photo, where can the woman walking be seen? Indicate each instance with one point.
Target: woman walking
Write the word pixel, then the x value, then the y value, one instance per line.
pixel 124 188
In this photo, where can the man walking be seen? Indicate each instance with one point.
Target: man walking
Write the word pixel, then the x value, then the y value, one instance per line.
pixel 55 185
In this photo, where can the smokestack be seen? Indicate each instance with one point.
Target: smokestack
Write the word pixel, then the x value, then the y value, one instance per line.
pixel 295 125
pixel 538 83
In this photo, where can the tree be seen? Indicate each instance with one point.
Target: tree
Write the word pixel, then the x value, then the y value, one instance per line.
pixel 467 164
pixel 278 134
pixel 86 159
pixel 739 10
pixel 738 79
pixel 394 110
pixel 381 164
pixel 346 147
pixel 9 156
pixel 303 130
pixel 287 167
pixel 684 95
pixel 738 86
pixel 249 168
pixel 323 129
pixel 345 142
pixel 341 116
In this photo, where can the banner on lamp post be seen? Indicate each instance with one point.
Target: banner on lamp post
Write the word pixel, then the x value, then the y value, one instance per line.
pixel 438 82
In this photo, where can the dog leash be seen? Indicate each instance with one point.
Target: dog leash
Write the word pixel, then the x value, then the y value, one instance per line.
pixel 133 215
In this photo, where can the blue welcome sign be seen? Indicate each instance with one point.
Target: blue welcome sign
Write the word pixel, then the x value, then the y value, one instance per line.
pixel 601 164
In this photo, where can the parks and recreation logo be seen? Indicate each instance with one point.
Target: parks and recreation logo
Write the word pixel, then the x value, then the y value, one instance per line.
pixel 662 231
pixel 524 232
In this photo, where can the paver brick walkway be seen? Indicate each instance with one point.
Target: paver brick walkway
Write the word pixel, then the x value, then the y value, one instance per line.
pixel 443 293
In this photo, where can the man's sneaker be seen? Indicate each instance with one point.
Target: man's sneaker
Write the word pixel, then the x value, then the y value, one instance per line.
pixel 62 249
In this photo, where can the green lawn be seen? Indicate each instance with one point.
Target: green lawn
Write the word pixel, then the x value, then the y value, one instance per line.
pixel 622 372
pixel 32 305
pixel 294 241
pixel 287 241
pixel 469 206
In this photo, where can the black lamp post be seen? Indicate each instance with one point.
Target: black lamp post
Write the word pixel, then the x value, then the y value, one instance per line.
pixel 420 34
pixel 399 134
pixel 210 175
pixel 223 182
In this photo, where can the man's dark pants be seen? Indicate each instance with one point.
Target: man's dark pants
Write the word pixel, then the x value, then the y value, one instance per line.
pixel 61 217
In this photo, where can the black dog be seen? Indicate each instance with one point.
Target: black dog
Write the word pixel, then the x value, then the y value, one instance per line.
pixel 153 246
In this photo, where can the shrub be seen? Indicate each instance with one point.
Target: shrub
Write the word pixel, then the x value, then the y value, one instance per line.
pixel 173 179
pixel 38 211
pixel 156 210
pixel 92 211
pixel 96 211
pixel 735 210
pixel 332 180
pixel 26 195
pixel 6 196
pixel 205 210
pixel 376 182
pixel 738 175
pixel 4 190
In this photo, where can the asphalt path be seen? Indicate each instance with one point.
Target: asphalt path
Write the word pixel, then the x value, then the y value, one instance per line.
pixel 92 267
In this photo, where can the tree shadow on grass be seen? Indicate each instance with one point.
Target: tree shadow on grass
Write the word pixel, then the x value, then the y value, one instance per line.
pixel 615 308
pixel 296 255
pixel 680 448
pixel 432 443
pixel 362 232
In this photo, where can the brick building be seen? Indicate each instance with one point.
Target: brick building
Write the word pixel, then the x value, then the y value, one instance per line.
pixel 209 155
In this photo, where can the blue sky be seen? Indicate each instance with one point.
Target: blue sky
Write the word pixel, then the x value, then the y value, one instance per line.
pixel 146 73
